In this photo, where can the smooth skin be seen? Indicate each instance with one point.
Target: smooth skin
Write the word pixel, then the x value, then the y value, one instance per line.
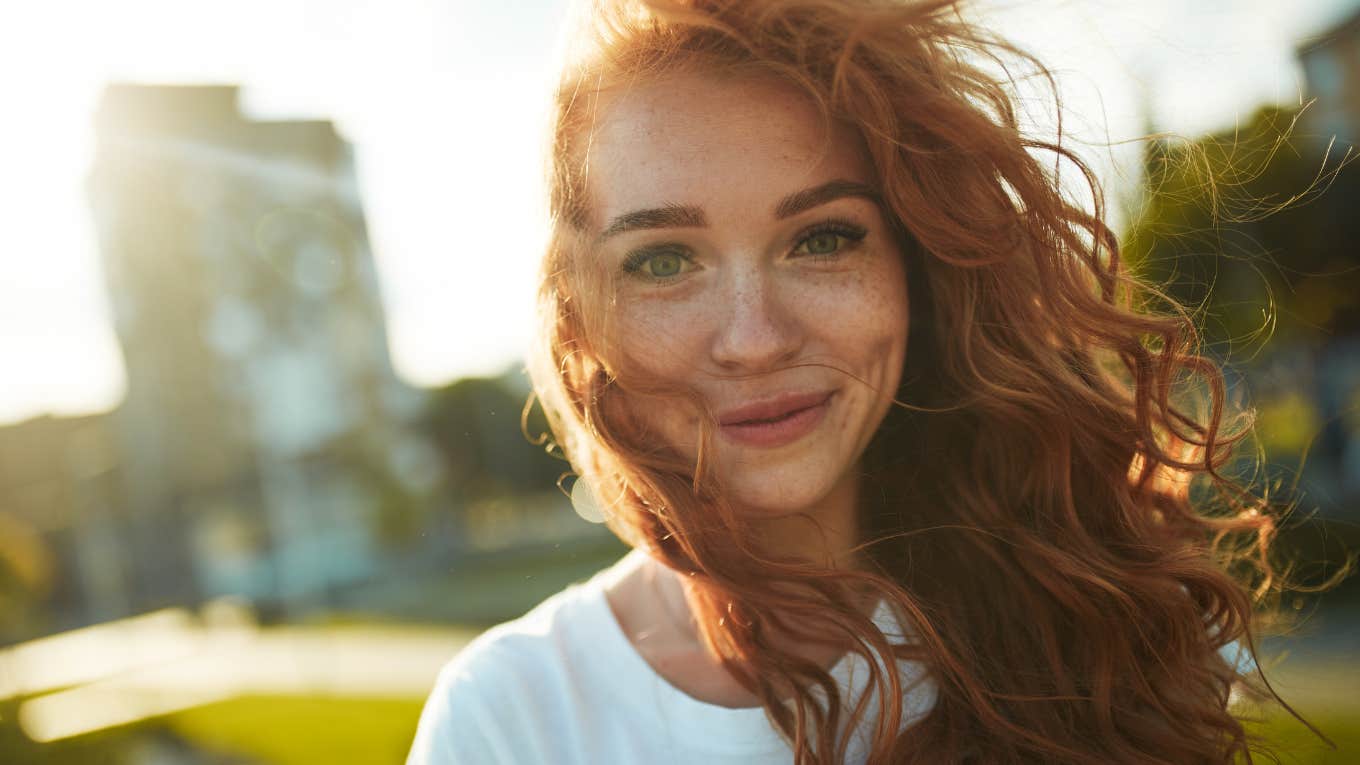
pixel 750 261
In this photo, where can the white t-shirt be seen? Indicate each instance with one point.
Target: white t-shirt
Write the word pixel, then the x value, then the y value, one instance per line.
pixel 564 685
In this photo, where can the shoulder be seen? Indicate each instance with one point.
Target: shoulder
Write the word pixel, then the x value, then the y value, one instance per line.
pixel 514 688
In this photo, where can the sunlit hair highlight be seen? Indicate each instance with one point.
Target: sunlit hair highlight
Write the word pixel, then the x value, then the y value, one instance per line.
pixel 1048 506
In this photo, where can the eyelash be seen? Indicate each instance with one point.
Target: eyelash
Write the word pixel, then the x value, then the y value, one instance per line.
pixel 852 232
pixel 635 260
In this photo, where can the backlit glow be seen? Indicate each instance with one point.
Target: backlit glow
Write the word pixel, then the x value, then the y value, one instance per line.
pixel 443 102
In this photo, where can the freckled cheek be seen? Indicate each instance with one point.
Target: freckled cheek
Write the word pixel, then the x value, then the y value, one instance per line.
pixel 660 344
pixel 661 339
pixel 861 319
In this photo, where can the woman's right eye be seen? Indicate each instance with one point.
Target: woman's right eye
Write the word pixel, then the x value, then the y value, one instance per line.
pixel 658 265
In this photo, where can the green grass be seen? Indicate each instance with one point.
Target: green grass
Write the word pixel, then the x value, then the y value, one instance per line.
pixel 1296 745
pixel 304 731
pixel 1324 692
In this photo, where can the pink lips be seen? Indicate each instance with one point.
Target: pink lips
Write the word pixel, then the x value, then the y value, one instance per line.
pixel 776 421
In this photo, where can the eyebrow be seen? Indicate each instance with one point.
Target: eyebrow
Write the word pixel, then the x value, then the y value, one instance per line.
pixel 667 216
pixel 691 216
pixel 807 199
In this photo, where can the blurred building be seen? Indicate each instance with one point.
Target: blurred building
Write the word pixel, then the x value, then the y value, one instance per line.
pixel 265 448
pixel 264 432
pixel 1331 66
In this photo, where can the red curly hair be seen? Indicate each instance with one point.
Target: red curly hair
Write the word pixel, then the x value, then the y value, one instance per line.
pixel 1047 504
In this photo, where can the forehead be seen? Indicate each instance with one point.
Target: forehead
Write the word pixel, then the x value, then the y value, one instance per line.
pixel 715 142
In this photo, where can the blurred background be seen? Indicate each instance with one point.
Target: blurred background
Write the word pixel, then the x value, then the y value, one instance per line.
pixel 266 278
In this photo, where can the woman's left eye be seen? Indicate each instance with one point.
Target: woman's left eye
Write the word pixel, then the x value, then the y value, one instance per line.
pixel 821 244
pixel 829 241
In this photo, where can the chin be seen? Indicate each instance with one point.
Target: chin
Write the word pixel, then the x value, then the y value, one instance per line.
pixel 773 495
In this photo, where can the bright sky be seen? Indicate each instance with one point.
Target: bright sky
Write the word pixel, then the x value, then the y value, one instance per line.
pixel 443 100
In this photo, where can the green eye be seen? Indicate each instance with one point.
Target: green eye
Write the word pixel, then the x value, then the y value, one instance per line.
pixel 660 264
pixel 664 265
pixel 831 239
pixel 826 243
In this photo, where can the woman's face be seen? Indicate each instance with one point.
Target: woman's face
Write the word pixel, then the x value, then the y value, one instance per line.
pixel 751 265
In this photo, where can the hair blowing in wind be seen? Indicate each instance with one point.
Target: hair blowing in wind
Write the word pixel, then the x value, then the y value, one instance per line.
pixel 1046 503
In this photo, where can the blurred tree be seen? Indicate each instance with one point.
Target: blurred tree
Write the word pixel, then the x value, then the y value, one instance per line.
pixel 475 423
pixel 1255 231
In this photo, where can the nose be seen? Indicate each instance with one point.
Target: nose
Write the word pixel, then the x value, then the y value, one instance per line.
pixel 759 330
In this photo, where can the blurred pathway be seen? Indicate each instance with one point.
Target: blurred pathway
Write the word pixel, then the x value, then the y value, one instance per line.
pixel 133 669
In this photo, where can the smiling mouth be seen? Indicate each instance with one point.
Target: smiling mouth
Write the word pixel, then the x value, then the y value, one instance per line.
pixel 776 423
pixel 777 417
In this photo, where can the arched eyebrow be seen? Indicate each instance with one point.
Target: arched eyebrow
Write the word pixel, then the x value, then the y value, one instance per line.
pixel 691 216
pixel 807 199
pixel 668 216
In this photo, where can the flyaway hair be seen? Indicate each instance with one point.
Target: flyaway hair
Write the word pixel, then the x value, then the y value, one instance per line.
pixel 1049 504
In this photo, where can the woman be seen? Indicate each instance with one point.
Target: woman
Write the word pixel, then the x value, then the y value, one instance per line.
pixel 901 448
